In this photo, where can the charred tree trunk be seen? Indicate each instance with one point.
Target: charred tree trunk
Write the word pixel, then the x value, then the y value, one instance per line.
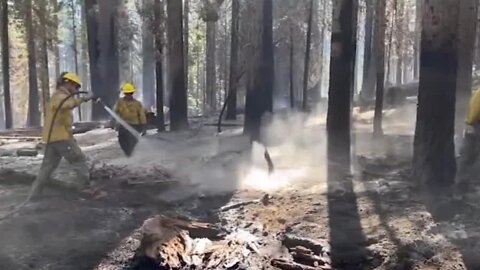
pixel 5 43
pixel 56 49
pixel 467 33
pixel 148 57
pixel 75 47
pixel 186 34
pixel 233 82
pixel 178 96
pixel 211 70
pixel 380 28
pixel 33 117
pixel 260 95
pixel 159 21
pixel 87 108
pixel 368 86
pixel 306 71
pixel 43 51
pixel 91 9
pixel 291 69
pixel 399 20
pixel 434 159
pixel 341 81
pixel 416 46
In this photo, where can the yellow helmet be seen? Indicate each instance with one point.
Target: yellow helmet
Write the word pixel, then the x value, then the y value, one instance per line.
pixel 128 88
pixel 72 77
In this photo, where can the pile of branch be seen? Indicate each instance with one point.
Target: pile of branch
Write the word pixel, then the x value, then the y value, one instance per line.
pixel 182 244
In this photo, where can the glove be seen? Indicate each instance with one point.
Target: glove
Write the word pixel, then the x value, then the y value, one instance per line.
pixel 90 97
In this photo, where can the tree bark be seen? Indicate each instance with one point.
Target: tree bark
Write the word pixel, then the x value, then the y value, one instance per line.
pixel 416 46
pixel 186 34
pixel 87 108
pixel 467 33
pixel 260 95
pixel 368 86
pixel 91 9
pixel 399 20
pixel 159 21
pixel 306 70
pixel 178 96
pixel 211 70
pixel 43 51
pixel 56 49
pixel 108 62
pixel 233 82
pixel 380 28
pixel 148 57
pixel 33 117
pixel 341 81
pixel 434 159
pixel 291 70
pixel 6 65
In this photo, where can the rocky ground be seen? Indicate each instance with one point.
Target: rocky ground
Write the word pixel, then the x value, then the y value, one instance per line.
pixel 200 199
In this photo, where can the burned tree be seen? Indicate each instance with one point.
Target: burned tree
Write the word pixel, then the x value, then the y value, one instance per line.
pixel 148 56
pixel 260 94
pixel 178 96
pixel 434 157
pixel 159 22
pixel 306 72
pixel 33 117
pixel 6 65
pixel 233 82
pixel 380 28
pixel 341 81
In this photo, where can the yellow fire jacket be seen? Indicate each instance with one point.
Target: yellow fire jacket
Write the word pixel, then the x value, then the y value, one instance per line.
pixel 131 111
pixel 473 114
pixel 62 127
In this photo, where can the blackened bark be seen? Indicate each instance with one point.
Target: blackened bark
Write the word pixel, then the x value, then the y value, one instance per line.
pixel 341 81
pixel 160 121
pixel 380 28
pixel 291 69
pixel 260 96
pixel 210 62
pixel 33 117
pixel 233 82
pixel 56 49
pixel 306 70
pixel 368 86
pixel 178 96
pixel 148 58
pixel 43 57
pixel 416 46
pixel 186 34
pixel 434 159
pixel 6 65
pixel 94 52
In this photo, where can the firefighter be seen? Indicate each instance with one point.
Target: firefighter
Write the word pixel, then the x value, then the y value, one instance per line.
pixel 59 141
pixel 133 113
pixel 470 147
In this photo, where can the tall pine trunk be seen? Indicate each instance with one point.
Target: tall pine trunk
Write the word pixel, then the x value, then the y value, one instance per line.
pixel 368 86
pixel 467 33
pixel 159 23
pixel 43 58
pixel 380 28
pixel 56 49
pixel 291 70
pixel 416 46
pixel 33 117
pixel 5 43
pixel 94 54
pixel 434 159
pixel 233 82
pixel 306 70
pixel 211 69
pixel 342 65
pixel 260 94
pixel 178 96
pixel 148 57
pixel 186 34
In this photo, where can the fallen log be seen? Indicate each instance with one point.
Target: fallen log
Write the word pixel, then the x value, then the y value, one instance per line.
pixel 27 152
pixel 289 265
pixel 318 247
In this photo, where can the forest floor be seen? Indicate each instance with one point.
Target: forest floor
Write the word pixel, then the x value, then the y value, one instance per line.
pixel 373 219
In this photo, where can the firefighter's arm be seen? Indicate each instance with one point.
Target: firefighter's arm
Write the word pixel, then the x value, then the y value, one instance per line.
pixel 68 104
pixel 141 115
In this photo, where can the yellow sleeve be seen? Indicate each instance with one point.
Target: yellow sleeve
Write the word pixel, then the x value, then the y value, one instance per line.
pixel 141 114
pixel 473 116
pixel 69 104
pixel 116 107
